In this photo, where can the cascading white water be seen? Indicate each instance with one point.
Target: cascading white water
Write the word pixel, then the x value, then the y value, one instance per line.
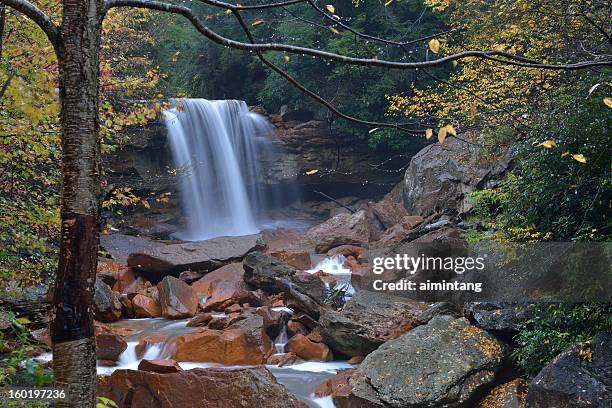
pixel 215 146
pixel 281 340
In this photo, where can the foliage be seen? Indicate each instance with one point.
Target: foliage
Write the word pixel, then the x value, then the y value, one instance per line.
pixel 104 402
pixel 555 327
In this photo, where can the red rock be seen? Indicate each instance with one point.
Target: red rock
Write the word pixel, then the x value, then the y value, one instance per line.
pixel 159 366
pixel 299 259
pixel 126 279
pixel 147 341
pixel 294 327
pixel 235 308
pixel 387 212
pixel 411 221
pixel 177 299
pixel 190 276
pixel 347 250
pixel 228 273
pixel 146 307
pixel 109 346
pixel 304 348
pixel 326 277
pixel 282 359
pixel 352 264
pixel 210 388
pixel 101 328
pixel 343 229
pixel 315 335
pixel 244 342
pixel 336 386
pixel 225 294
pixel 108 265
pixel 201 319
pixel 127 308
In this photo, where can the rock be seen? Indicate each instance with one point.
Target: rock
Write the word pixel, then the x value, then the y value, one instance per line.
pixel 581 376
pixel 299 259
pixel 401 230
pixel 367 321
pixel 509 395
pixel 109 346
pixel 176 298
pixel 127 308
pixel 190 276
pixel 243 343
pixel 387 212
pixel 343 229
pixel 282 359
pixel 107 307
pixel 233 272
pixel 209 254
pixel 497 316
pixel 101 328
pixel 441 176
pixel 210 388
pixel 445 363
pixel 145 306
pixel 438 309
pixel 120 246
pixel 337 386
pixel 307 349
pixel 201 319
pixel 347 250
pixel 263 271
pixel 159 366
pixel 224 294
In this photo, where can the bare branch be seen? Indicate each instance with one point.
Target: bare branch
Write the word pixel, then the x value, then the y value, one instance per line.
pixel 499 56
pixel 38 16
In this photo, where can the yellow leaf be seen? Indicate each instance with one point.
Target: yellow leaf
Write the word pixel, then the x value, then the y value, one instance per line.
pixel 450 129
pixel 579 158
pixel 442 135
pixel 428 134
pixel 473 110
pixel 228 11
pixel 22 320
pixel 434 45
pixel 311 172
pixel 564 154
pixel 334 30
pixel 257 22
pixel 549 144
pixel 608 102
pixel 330 8
pixel 286 58
pixel 388 3
pixel 455 63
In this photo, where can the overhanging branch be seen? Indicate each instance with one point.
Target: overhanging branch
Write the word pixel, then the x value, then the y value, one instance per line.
pixel 38 16
pixel 494 55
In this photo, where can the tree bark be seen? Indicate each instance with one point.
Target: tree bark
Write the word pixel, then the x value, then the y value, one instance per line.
pixel 72 328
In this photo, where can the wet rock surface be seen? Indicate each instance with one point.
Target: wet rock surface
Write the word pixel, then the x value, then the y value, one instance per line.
pixel 367 321
pixel 176 298
pixel 581 376
pixel 107 307
pixel 445 363
pixel 209 254
pixel 211 388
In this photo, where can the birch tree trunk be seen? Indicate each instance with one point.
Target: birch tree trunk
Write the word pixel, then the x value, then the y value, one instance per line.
pixel 72 329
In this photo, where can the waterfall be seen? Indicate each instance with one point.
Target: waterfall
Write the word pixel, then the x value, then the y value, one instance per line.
pixel 216 146
pixel 281 340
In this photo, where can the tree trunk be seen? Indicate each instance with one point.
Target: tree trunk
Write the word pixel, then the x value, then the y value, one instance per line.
pixel 72 330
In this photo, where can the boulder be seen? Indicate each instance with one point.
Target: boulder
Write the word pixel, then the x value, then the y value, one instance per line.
pixel 263 271
pixel 224 294
pixel 190 276
pixel 299 259
pixel 243 343
pixel 497 316
pixel 441 176
pixel 107 307
pixel 210 387
pixel 343 229
pixel 144 306
pixel 446 363
pixel 159 366
pixel 233 272
pixel 387 212
pixel 120 246
pixel 512 394
pixel 581 376
pixel 209 254
pixel 109 346
pixel 307 349
pixel 347 250
pixel 176 298
pixel 337 387
pixel 367 321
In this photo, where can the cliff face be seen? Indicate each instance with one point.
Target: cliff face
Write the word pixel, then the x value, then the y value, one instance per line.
pixel 345 166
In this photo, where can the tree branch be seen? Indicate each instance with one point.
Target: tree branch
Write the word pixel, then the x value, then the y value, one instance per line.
pixel 499 56
pixel 38 16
